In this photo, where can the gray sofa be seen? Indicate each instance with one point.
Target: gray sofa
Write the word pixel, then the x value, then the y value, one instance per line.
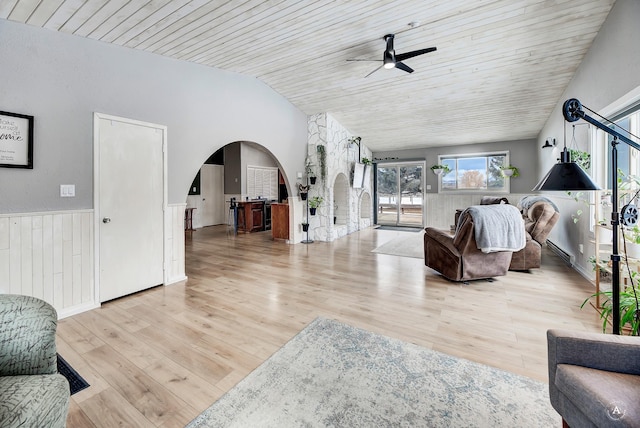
pixel 32 393
pixel 594 379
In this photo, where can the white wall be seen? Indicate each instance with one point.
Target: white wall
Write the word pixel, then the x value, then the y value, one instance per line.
pixel 63 79
pixel 609 70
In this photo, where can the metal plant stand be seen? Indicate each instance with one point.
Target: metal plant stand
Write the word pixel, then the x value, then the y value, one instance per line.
pixel 307 241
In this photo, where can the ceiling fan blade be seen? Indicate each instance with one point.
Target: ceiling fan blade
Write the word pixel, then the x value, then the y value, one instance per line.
pixel 402 66
pixel 407 55
pixel 369 60
pixel 374 71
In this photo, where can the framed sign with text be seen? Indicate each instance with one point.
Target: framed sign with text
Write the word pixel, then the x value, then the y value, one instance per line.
pixel 16 140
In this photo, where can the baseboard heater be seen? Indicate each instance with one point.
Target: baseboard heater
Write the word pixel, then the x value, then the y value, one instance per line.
pixel 569 259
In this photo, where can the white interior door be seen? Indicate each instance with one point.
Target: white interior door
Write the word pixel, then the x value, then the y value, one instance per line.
pixel 130 198
pixel 212 191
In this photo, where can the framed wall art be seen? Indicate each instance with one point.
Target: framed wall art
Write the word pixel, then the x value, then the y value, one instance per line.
pixel 16 140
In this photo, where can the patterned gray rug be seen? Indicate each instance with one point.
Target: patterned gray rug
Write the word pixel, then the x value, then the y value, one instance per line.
pixel 335 375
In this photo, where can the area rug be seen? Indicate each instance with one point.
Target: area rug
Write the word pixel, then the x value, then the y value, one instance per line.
pixel 332 374
pixel 404 245
pixel 400 228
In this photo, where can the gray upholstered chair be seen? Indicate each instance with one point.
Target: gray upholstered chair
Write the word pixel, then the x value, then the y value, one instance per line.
pixel 32 393
pixel 594 379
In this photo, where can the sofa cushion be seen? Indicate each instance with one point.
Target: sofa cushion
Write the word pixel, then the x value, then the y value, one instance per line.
pixel 34 401
pixel 616 393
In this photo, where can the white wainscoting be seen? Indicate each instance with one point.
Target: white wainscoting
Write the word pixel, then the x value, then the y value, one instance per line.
pixel 51 256
pixel 174 263
pixel 441 207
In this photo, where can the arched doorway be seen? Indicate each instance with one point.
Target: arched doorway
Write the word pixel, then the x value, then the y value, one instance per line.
pixel 238 172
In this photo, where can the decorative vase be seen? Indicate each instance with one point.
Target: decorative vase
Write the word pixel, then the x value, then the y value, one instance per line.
pixel 605 234
pixel 305 227
pixel 633 250
pixel 303 196
pixel 312 211
pixel 312 180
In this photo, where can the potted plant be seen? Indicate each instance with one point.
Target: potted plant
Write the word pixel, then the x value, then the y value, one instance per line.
pixel 305 227
pixel 314 203
pixel 441 169
pixel 304 191
pixel 510 171
pixel 629 308
pixel 310 174
pixel 632 242
pixel 367 161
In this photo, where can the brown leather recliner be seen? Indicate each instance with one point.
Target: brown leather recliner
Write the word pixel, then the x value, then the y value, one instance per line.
pixel 458 257
pixel 538 222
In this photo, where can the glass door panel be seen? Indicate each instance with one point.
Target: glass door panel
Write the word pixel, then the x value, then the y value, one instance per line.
pixel 387 186
pixel 400 194
pixel 411 195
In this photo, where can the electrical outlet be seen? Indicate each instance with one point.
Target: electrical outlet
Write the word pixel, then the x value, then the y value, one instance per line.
pixel 581 248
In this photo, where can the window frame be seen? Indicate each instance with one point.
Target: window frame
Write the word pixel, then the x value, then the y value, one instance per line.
pixel 507 180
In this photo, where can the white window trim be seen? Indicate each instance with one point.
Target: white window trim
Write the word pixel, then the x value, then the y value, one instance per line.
pixel 507 188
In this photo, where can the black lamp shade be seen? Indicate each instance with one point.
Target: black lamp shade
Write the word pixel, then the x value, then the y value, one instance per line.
pixel 566 176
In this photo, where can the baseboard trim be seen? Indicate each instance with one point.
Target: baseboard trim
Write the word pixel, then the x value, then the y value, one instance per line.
pixel 75 310
pixel 176 280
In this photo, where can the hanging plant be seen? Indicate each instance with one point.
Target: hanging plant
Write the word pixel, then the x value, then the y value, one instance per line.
pixel 322 154
pixel 367 161
pixel 510 171
pixel 441 169
pixel 583 159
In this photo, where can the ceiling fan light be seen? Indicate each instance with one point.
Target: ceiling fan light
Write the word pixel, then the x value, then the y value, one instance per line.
pixel 388 60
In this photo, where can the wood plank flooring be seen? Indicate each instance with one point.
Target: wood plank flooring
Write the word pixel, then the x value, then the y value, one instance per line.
pixel 160 357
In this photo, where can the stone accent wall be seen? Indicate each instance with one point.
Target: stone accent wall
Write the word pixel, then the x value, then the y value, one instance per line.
pixel 341 200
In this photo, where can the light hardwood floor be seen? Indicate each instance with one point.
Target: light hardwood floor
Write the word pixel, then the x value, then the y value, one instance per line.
pixel 162 356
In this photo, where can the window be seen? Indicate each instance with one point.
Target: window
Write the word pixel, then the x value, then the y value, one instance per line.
pixel 262 182
pixel 628 159
pixel 475 172
pixel 625 118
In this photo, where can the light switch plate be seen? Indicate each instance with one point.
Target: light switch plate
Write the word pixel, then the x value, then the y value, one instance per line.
pixel 67 190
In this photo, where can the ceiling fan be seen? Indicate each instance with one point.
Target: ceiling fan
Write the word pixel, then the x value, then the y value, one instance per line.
pixel 392 60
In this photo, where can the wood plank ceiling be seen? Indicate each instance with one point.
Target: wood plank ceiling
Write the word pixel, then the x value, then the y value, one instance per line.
pixel 500 67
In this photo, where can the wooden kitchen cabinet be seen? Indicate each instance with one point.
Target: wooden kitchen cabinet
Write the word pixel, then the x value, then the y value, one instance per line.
pixel 280 221
pixel 250 216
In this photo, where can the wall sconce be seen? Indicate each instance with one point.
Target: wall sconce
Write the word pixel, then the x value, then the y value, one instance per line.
pixel 549 144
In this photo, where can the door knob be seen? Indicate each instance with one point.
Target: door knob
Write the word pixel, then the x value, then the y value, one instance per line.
pixel 106 220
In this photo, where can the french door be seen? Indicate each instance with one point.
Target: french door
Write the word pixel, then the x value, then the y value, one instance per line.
pixel 400 193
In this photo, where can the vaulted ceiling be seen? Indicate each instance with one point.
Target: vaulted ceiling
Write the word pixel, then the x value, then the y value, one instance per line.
pixel 499 69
